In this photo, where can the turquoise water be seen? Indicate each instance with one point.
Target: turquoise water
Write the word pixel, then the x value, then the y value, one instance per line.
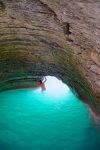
pixel 50 120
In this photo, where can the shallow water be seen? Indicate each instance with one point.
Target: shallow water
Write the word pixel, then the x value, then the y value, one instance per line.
pixel 50 120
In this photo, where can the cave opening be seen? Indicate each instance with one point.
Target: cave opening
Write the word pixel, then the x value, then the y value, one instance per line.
pixel 55 86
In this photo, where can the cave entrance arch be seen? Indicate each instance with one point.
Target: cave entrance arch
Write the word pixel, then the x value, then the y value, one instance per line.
pixel 23 71
pixel 33 44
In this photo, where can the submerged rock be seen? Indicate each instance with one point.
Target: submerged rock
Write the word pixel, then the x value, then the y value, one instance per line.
pixel 51 37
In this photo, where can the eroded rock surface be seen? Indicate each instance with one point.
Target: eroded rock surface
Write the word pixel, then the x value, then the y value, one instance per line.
pixel 51 37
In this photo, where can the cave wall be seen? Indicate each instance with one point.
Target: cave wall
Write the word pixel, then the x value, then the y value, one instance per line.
pixel 51 37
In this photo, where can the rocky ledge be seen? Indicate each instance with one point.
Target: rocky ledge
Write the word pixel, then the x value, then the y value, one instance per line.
pixel 60 38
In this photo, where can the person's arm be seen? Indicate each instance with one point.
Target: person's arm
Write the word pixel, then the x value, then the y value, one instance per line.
pixel 45 80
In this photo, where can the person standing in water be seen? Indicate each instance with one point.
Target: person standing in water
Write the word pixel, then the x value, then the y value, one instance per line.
pixel 42 84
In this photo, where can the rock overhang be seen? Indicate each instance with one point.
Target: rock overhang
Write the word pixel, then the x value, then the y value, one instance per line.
pixel 39 38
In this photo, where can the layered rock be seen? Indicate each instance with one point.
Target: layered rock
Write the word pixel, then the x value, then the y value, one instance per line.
pixel 51 37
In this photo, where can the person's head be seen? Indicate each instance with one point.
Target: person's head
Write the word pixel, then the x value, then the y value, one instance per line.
pixel 40 81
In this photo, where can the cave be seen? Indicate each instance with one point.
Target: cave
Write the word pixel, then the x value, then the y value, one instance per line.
pixel 58 38
pixel 39 38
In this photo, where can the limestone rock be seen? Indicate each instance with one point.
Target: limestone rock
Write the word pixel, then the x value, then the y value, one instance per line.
pixel 96 58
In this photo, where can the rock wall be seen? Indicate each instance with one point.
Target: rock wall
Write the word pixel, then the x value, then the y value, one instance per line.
pixel 51 37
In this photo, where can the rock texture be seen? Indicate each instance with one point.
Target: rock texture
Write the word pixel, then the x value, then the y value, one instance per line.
pixel 51 37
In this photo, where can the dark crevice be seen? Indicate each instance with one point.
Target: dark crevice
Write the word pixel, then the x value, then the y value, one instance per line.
pixel 66 28
pixel 2 6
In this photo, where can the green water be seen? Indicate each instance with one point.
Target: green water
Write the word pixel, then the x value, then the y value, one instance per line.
pixel 50 120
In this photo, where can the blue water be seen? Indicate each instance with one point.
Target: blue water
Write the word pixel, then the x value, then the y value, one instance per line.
pixel 50 120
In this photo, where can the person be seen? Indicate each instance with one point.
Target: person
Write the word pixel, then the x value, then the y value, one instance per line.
pixel 42 84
